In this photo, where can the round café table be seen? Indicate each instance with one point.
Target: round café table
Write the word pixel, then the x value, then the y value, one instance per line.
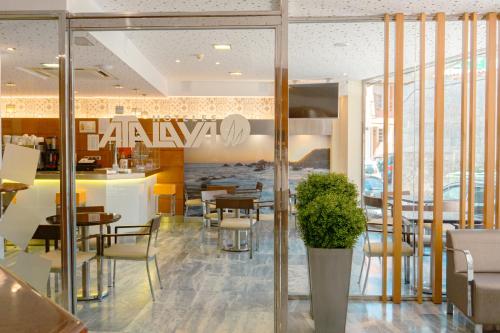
pixel 84 221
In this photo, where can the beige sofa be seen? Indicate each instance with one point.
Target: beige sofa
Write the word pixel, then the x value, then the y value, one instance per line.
pixel 473 275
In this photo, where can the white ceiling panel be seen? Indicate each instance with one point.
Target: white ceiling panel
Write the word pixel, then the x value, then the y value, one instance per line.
pixel 189 55
pixel 378 7
pixel 306 7
pixel 187 5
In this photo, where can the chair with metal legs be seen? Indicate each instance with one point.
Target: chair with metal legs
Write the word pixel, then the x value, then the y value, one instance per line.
pixel 139 251
pixel 210 214
pixel 49 233
pixel 237 224
pixel 190 202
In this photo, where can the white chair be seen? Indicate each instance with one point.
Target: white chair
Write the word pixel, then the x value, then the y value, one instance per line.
pixel 209 212
pixel 139 251
pixel 190 202
pixel 49 232
pixel 237 224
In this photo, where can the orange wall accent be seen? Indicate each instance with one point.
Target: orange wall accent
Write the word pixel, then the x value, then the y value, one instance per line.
pixel 171 159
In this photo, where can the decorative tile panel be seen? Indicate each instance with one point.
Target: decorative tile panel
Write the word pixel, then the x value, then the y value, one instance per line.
pixel 183 107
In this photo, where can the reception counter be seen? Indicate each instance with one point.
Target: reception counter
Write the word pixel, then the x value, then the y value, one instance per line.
pixel 130 195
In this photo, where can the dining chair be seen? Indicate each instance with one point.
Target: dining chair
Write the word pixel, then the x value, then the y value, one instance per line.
pixel 231 189
pixel 374 249
pixel 210 213
pixel 245 223
pixel 49 233
pixel 190 202
pixel 137 251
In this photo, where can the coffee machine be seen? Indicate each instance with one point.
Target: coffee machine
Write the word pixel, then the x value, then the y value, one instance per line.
pixel 51 158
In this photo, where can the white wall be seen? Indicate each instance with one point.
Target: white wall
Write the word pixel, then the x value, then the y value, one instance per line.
pixel 346 146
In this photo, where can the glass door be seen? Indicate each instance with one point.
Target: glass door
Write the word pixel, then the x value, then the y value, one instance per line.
pixel 178 125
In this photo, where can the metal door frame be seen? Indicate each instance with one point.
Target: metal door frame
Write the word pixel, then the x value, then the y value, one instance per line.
pixel 272 20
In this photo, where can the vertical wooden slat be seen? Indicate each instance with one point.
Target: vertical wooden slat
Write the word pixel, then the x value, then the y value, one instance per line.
pixel 437 225
pixel 386 156
pixel 490 103
pixel 398 158
pixel 463 119
pixel 472 120
pixel 421 161
pixel 497 213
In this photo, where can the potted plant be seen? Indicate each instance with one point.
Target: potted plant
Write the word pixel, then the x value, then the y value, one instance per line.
pixel 329 222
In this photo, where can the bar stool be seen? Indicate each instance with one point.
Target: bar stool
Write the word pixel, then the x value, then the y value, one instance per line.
pixel 81 199
pixel 166 191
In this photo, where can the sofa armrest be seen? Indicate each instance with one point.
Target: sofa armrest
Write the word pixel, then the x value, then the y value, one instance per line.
pixel 470 275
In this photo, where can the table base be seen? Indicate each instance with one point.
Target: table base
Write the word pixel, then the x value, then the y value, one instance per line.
pixel 93 296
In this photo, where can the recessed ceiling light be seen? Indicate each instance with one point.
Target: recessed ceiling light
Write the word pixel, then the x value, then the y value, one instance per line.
pixel 11 49
pixel 222 47
pixel 235 73
pixel 50 65
pixel 345 74
pixel 118 86
pixel 10 84
pixel 341 44
pixel 177 60
pixel 217 63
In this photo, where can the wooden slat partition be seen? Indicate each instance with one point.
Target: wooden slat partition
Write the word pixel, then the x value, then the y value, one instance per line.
pixel 497 213
pixel 490 102
pixel 437 225
pixel 463 119
pixel 398 157
pixel 421 161
pixel 387 28
pixel 472 120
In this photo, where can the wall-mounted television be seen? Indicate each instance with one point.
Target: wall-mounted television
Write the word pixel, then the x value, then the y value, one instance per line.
pixel 319 100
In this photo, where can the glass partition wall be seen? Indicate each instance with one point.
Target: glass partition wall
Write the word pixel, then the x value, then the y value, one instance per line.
pixel 446 52
pixel 180 123
pixel 31 151
pixel 151 139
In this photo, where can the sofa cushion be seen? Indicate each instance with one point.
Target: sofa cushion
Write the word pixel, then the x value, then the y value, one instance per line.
pixel 486 298
pixel 484 246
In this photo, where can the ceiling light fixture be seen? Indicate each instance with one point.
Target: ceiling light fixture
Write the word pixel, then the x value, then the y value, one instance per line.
pixel 10 84
pixel 177 60
pixel 50 65
pixel 118 86
pixel 341 44
pixel 217 63
pixel 222 47
pixel 11 49
pixel 235 73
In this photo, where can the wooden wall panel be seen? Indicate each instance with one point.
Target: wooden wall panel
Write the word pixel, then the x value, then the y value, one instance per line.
pixel 463 120
pixel 472 120
pixel 497 212
pixel 398 157
pixel 437 225
pixel 421 160
pixel 387 28
pixel 490 103
pixel 171 159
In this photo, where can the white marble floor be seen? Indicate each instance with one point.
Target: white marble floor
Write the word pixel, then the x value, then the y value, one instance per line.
pixel 205 291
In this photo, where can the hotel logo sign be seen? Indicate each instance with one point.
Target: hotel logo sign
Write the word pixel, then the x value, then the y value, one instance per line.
pixel 126 130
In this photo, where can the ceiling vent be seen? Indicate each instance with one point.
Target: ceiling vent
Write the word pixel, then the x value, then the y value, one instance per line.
pixel 89 73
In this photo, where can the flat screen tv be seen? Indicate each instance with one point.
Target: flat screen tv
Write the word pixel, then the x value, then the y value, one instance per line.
pixel 319 100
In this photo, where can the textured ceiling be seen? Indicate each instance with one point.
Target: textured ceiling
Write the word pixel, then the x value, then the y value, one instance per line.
pixel 252 53
pixel 306 7
pixel 377 7
pixel 314 50
pixel 36 43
